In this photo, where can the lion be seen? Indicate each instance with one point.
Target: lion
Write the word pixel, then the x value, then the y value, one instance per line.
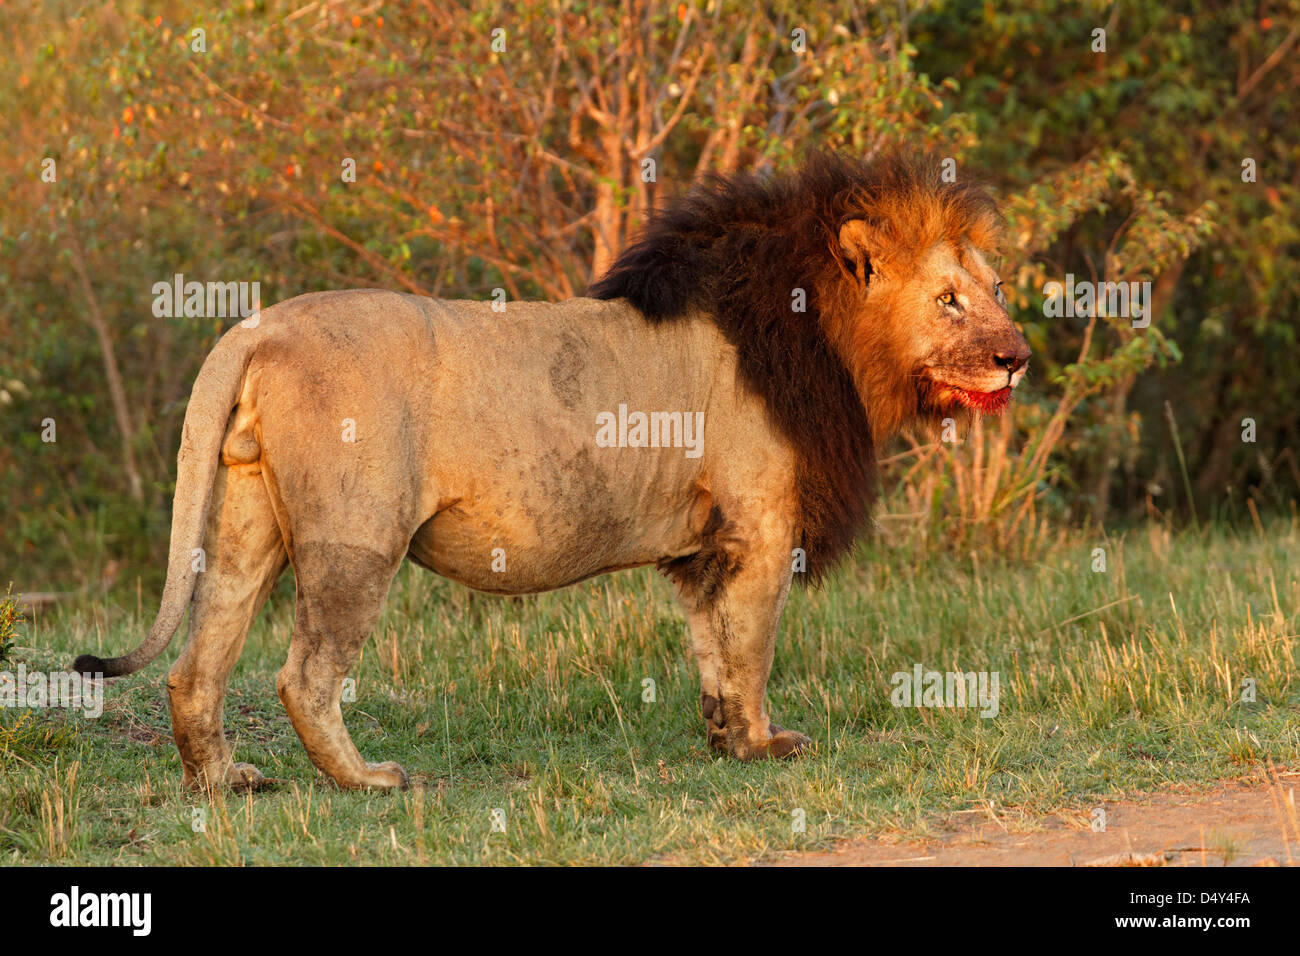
pixel 791 323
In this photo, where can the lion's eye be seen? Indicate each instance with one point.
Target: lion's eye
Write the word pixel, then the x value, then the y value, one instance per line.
pixel 949 299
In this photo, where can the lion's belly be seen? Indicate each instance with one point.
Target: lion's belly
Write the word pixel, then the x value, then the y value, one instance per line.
pixel 500 547
pixel 525 484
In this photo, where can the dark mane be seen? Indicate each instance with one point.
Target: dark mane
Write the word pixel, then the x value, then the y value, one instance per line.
pixel 737 247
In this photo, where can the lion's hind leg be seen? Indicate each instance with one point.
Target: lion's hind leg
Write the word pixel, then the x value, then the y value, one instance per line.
pixel 243 556
pixel 341 590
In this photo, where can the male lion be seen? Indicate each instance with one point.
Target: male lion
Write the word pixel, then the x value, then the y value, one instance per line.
pixel 807 316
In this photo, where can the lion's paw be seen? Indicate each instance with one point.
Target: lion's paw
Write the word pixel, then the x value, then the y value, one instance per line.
pixel 388 775
pixel 779 743
pixel 247 777
pixel 788 743
pixel 714 723
pixel 236 776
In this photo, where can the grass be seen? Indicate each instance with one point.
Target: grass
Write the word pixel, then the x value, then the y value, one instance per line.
pixel 539 708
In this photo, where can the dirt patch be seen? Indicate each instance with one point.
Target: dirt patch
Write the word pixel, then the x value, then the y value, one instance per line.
pixel 1234 824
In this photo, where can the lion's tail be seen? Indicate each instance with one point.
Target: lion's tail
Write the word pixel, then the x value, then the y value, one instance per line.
pixel 216 391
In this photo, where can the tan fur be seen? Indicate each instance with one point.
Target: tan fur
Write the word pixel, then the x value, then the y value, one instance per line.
pixel 475 431
pixel 481 437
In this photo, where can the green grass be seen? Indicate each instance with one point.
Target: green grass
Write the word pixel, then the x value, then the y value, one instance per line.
pixel 534 706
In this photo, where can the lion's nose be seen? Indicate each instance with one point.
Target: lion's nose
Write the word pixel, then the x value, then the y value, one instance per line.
pixel 1013 360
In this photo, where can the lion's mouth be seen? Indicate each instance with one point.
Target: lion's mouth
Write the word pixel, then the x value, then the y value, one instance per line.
pixel 986 403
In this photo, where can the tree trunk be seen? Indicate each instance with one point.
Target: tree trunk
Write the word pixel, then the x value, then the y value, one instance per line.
pixel 112 374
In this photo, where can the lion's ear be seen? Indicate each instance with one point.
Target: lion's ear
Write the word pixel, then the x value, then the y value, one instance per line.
pixel 859 242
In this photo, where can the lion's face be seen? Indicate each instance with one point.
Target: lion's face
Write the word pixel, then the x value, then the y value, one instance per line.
pixel 964 349
pixel 937 318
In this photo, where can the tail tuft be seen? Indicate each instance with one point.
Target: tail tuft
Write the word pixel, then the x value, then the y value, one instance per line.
pixel 90 664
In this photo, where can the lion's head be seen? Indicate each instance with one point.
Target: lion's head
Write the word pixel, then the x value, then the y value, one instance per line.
pixel 917 312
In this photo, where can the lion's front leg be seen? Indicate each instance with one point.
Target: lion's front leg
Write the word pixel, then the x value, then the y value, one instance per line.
pixel 733 593
pixel 706 656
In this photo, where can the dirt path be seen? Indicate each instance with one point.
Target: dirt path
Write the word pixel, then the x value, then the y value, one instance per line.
pixel 1233 824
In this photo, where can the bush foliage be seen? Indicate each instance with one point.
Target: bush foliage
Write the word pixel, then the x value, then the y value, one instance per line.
pixel 216 147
